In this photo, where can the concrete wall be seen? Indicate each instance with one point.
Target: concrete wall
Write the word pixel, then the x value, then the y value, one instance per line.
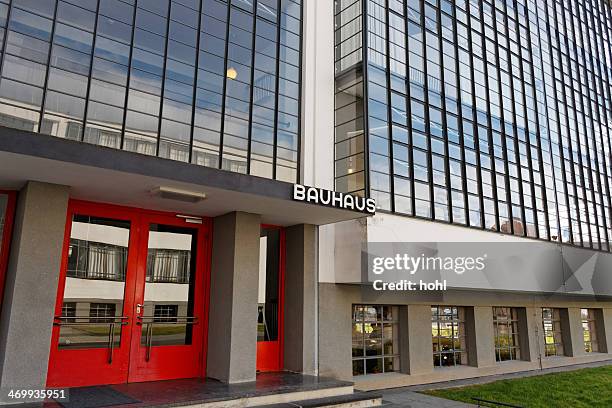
pixel 318 94
pixel 300 299
pixel 335 324
pixel 344 241
pixel 340 247
pixel 541 270
pixel 31 285
pixel 414 324
pixel 232 328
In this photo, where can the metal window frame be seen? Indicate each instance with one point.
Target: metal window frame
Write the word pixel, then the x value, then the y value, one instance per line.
pixel 509 324
pixel 394 323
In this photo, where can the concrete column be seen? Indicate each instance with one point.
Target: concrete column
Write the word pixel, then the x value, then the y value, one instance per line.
pixel 571 326
pixel 415 339
pixel 31 285
pixel 606 329
pixel 526 328
pixel 232 327
pixel 480 336
pixel 535 333
pixel 300 299
pixel 335 331
pixel 602 335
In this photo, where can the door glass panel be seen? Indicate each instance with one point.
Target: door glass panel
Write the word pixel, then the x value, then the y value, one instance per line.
pixel 95 283
pixel 269 262
pixel 168 318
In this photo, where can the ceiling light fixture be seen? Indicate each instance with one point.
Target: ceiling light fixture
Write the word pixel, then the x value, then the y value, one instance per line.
pixel 190 219
pixel 171 193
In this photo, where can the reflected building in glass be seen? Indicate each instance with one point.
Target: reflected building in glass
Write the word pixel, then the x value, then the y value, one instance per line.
pixel 488 114
pixel 214 83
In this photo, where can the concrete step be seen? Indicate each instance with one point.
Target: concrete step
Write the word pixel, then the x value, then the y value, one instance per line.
pixel 354 400
pixel 284 399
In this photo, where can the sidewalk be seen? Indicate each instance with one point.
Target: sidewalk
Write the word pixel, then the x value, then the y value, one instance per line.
pixel 409 397
pixel 412 399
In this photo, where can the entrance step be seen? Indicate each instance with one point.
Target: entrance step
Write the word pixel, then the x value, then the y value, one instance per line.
pixel 286 398
pixel 355 400
pixel 268 389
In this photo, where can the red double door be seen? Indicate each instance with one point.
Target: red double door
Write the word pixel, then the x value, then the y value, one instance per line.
pixel 132 297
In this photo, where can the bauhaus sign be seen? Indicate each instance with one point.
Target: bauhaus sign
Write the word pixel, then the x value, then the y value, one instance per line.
pixel 335 199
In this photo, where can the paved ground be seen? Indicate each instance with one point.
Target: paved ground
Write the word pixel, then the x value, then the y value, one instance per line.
pixel 412 399
pixel 408 397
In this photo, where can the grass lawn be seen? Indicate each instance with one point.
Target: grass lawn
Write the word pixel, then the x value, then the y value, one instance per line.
pixel 588 387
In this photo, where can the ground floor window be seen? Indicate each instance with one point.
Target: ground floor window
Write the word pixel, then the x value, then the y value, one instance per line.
pixel 589 330
pixel 375 339
pixel 448 336
pixel 165 313
pixel 102 312
pixel 505 326
pixel 553 338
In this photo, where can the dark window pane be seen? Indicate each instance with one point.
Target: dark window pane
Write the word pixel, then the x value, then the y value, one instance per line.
pixel 42 7
pixel 76 16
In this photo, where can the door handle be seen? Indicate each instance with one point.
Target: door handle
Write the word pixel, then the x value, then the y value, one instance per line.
pixel 138 308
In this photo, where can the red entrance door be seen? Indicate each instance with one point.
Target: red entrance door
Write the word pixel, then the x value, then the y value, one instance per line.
pixel 131 299
pixel 271 299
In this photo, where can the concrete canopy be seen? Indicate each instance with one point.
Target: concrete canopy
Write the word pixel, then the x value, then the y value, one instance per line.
pixel 107 175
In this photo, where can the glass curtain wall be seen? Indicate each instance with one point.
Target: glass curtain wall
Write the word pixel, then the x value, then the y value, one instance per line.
pixel 211 82
pixel 350 169
pixel 489 114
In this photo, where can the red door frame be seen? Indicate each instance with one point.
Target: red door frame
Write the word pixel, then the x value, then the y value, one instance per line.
pixel 98 371
pixel 9 219
pixel 64 364
pixel 169 362
pixel 271 354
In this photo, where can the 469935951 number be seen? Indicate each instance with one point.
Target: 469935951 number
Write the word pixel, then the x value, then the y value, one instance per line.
pixel 35 394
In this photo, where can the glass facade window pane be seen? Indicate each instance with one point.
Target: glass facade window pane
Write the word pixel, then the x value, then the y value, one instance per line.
pixel 375 339
pixel 553 332
pixel 590 329
pixel 506 332
pixel 97 255
pixel 500 88
pixel 448 336
pixel 154 78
